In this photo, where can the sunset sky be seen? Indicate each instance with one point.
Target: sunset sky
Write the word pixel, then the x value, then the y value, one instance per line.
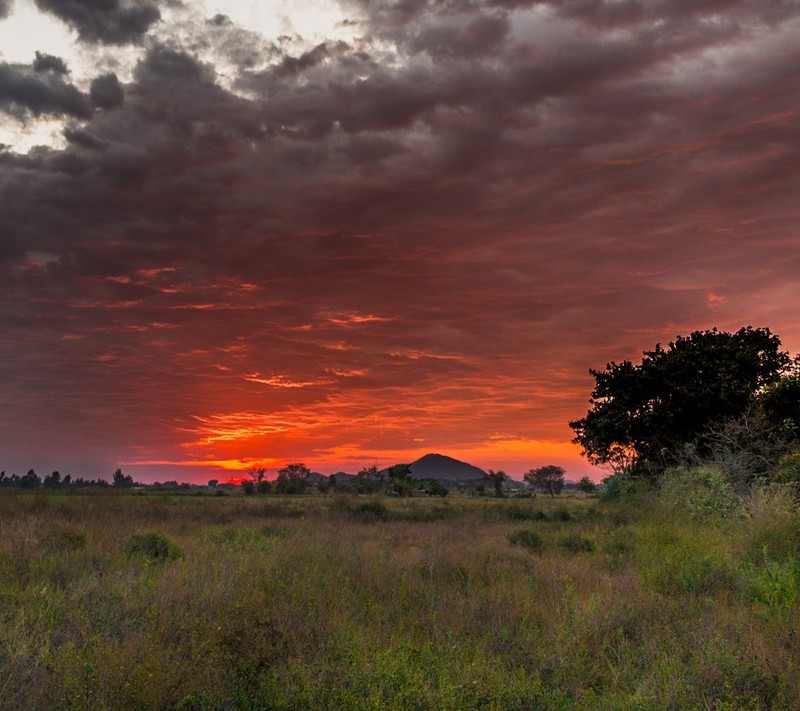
pixel 353 231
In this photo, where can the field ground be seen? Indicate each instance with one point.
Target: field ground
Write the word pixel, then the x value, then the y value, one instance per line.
pixel 146 601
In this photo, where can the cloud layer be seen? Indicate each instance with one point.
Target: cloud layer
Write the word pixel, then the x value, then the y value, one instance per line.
pixel 417 239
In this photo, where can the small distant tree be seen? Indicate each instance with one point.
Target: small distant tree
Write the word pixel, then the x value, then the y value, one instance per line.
pixel 368 480
pixel 433 487
pixel 586 485
pixel 264 487
pixel 332 484
pixel 257 474
pixel 258 479
pixel 292 479
pixel 497 479
pixel 549 478
pixel 31 480
pixel 122 481
pixel 52 481
pixel 248 487
pixel 212 483
pixel 400 481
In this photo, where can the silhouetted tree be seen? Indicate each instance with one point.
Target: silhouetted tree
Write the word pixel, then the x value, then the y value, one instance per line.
pixel 497 479
pixel 433 487
pixel 263 487
pixel 399 481
pixel 369 479
pixel 586 485
pixel 257 474
pixel 31 480
pixel 122 481
pixel 52 481
pixel 642 415
pixel 292 479
pixel 549 478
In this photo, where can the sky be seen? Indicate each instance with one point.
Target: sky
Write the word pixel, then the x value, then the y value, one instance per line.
pixel 346 232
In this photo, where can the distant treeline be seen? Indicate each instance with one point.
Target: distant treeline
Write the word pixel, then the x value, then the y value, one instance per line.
pixel 32 480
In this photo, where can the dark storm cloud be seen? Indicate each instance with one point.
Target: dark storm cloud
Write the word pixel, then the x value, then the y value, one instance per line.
pixel 479 36
pixel 105 21
pixel 26 92
pixel 49 63
pixel 477 200
pixel 106 91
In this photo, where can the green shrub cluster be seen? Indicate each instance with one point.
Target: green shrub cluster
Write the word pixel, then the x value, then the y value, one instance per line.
pixel 154 547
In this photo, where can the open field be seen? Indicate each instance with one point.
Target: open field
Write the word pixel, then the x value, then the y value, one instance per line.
pixel 344 602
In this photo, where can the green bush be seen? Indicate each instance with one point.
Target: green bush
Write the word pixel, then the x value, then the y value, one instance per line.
pixel 526 539
pixel 787 471
pixel 778 584
pixel 524 513
pixel 63 539
pixel 373 510
pixel 615 486
pixel 703 493
pixel 152 546
pixel 562 514
pixel 576 544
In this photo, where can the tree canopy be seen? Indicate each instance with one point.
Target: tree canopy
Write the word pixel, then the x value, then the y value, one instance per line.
pixel 549 478
pixel 642 414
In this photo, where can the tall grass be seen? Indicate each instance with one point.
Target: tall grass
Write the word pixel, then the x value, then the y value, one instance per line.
pixel 121 601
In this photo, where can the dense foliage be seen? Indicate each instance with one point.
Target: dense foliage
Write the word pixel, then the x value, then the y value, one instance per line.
pixel 643 416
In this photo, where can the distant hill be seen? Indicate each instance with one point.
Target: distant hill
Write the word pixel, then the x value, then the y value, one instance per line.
pixel 446 469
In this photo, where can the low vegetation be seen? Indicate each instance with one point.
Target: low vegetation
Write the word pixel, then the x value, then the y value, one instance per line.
pixel 681 598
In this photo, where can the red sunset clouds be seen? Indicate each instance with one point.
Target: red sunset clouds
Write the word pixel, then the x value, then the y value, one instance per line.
pixel 416 240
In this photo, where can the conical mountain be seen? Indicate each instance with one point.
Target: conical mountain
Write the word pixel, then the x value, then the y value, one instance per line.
pixel 443 468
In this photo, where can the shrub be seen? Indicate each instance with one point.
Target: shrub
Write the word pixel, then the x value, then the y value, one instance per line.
pixel 576 544
pixel 615 486
pixel 778 584
pixel 524 513
pixel 562 514
pixel 526 539
pixel 432 487
pixel 704 493
pixel 64 539
pixel 787 471
pixel 152 546
pixel 773 524
pixel 370 511
pixel 264 487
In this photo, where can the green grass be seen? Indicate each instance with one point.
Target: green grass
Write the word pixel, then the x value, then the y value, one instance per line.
pixel 126 601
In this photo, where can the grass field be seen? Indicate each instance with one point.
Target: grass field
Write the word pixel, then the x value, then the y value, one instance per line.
pixel 144 601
